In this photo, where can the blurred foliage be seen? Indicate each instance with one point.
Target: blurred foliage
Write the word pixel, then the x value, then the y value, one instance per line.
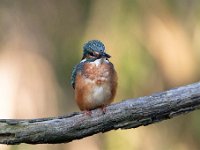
pixel 154 46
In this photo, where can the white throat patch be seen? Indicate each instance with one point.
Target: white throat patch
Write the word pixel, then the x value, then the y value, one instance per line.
pixel 100 61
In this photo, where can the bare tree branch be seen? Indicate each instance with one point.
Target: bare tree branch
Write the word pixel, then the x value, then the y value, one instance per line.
pixel 127 114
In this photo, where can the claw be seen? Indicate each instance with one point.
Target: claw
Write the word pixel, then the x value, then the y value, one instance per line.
pixel 88 112
pixel 103 108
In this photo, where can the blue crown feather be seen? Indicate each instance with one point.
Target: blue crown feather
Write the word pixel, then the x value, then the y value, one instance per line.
pixel 93 45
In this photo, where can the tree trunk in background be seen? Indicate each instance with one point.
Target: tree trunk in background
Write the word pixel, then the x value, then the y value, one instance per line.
pixel 27 82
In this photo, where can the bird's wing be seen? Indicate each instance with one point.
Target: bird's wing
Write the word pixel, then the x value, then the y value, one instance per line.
pixel 73 76
pixel 75 70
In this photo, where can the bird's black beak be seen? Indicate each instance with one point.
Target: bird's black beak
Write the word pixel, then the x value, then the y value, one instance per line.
pixel 105 55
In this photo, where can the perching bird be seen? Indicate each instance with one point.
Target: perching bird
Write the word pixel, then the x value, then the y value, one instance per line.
pixel 94 78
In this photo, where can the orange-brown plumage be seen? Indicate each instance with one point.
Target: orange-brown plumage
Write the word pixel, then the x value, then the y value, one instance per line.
pixel 95 85
pixel 94 78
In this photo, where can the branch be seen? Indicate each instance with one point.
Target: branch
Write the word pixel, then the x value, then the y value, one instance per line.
pixel 127 114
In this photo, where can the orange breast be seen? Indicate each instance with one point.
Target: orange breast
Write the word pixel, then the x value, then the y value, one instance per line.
pixel 95 85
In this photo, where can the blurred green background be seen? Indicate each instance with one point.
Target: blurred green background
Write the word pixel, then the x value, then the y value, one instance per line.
pixel 154 46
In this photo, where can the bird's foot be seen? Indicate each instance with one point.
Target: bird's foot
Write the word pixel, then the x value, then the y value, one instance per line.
pixel 88 112
pixel 103 108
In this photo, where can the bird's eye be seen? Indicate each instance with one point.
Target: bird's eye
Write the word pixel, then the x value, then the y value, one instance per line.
pixel 91 53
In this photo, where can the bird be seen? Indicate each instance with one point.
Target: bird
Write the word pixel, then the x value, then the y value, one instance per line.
pixel 94 79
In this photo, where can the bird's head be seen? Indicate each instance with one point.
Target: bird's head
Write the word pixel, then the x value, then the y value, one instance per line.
pixel 94 49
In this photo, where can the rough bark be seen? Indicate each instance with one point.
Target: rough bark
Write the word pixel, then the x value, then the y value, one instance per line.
pixel 127 114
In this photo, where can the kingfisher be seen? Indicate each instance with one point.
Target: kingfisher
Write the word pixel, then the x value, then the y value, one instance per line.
pixel 94 79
